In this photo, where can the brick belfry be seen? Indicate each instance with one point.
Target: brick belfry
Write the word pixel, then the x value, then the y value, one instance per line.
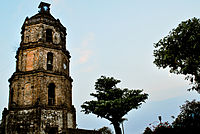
pixel 40 96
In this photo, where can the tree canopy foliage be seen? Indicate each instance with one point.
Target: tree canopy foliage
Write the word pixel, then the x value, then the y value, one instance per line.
pixel 180 51
pixel 189 116
pixel 187 122
pixel 105 130
pixel 113 103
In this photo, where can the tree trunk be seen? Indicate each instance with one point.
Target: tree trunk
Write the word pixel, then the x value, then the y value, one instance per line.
pixel 117 128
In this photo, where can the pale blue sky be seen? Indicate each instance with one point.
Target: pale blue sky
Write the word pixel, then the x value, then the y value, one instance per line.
pixel 112 38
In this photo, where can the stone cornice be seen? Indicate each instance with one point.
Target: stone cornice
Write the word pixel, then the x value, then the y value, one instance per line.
pixel 25 46
pixel 41 73
pixel 46 107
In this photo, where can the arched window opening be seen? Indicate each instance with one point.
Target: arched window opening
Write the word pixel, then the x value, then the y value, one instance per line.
pixel 51 94
pixel 49 35
pixel 50 61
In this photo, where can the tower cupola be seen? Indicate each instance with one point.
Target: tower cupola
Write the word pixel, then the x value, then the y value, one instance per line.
pixel 44 7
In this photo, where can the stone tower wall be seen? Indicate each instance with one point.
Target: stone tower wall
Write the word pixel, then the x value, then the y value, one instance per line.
pixel 28 88
pixel 34 33
pixel 36 59
pixel 38 120
pixel 40 96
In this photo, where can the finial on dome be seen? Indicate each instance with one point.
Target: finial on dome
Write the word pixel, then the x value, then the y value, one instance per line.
pixel 44 7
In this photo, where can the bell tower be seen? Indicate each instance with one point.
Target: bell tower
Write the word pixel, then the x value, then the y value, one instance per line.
pixel 40 96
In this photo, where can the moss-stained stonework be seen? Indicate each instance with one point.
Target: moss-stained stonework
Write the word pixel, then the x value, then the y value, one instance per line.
pixel 37 120
pixel 37 32
pixel 28 88
pixel 36 59
pixel 40 96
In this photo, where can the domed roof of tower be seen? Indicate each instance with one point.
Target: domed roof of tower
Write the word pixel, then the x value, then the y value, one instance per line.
pixel 43 16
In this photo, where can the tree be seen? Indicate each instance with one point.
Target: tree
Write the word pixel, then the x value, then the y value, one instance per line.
pixel 180 51
pixel 189 116
pixel 105 130
pixel 160 128
pixel 187 122
pixel 148 131
pixel 113 103
pixel 163 128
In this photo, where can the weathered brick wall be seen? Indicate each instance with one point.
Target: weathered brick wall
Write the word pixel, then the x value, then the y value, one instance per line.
pixel 37 120
pixel 22 121
pixel 36 59
pixel 28 88
pixel 51 118
pixel 35 106
pixel 37 32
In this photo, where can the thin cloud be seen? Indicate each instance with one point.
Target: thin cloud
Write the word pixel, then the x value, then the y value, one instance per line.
pixel 85 55
pixel 88 68
pixel 85 51
pixel 88 39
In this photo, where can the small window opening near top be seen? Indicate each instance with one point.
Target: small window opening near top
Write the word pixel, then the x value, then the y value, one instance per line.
pixel 49 35
pixel 45 8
